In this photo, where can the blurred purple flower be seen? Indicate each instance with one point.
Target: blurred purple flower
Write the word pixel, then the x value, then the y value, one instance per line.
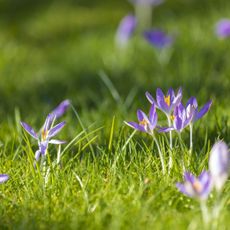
pixel 219 164
pixel 199 187
pixel 158 38
pixel 60 109
pixel 126 29
pixel 223 28
pixel 44 138
pixel 3 178
pixel 146 2
pixel 165 103
pixel 146 124
pixel 192 107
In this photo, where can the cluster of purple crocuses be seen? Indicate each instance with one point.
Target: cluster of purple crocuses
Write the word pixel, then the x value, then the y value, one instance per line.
pixel 178 116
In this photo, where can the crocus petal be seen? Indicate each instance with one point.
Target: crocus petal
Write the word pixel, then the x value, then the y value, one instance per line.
pixel 56 142
pixel 29 130
pixel 153 115
pixel 136 126
pixel 165 129
pixel 56 129
pixel 43 147
pixel 172 94
pixel 48 122
pixel 3 178
pixel 192 101
pixel 177 98
pixel 178 124
pixel 160 97
pixel 37 155
pixel 189 177
pixel 203 111
pixel 150 98
pixel 219 164
pixel 141 115
pixel 61 109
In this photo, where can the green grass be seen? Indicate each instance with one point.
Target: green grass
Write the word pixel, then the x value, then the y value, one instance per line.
pixel 53 50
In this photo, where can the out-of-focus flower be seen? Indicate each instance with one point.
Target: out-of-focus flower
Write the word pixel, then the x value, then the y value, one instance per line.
pixel 47 132
pixel 196 187
pixel 192 107
pixel 146 2
pixel 3 178
pixel 146 124
pixel 180 118
pixel 126 29
pixel 219 164
pixel 158 38
pixel 60 109
pixel 165 103
pixel 223 28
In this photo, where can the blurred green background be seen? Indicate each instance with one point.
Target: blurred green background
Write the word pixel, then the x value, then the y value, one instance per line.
pixel 52 50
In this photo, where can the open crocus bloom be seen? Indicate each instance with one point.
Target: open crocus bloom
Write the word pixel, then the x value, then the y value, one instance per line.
pixel 192 107
pixel 3 178
pixel 165 103
pixel 219 164
pixel 196 187
pixel 44 137
pixel 145 124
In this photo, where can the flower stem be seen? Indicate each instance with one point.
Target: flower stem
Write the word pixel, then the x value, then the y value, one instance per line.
pixel 204 210
pixel 170 145
pixel 191 144
pixel 160 154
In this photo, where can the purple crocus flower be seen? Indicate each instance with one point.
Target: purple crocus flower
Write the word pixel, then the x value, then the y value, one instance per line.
pixel 60 109
pixel 3 178
pixel 223 28
pixel 192 107
pixel 196 187
pixel 146 2
pixel 146 124
pixel 158 38
pixel 181 119
pixel 44 137
pixel 165 103
pixel 126 29
pixel 219 164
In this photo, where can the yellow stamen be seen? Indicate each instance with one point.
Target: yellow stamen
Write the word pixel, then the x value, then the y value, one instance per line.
pixel 44 134
pixel 197 186
pixel 143 122
pixel 167 100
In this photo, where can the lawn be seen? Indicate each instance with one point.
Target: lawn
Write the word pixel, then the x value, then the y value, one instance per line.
pixel 108 177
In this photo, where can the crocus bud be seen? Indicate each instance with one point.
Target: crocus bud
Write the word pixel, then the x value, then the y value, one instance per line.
pixel 126 29
pixel 3 178
pixel 219 164
pixel 223 28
